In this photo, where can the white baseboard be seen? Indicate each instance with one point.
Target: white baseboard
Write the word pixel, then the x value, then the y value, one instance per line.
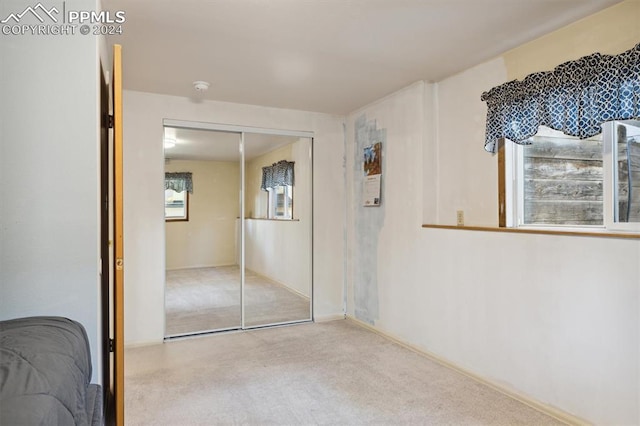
pixel 549 410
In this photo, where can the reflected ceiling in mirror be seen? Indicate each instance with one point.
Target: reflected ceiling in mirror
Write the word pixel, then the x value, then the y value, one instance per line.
pixel 213 145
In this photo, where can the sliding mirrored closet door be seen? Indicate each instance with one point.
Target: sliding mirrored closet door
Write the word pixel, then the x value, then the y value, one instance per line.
pixel 202 229
pixel 242 255
pixel 277 229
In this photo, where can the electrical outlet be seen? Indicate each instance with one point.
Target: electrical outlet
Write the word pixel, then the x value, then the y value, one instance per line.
pixel 460 217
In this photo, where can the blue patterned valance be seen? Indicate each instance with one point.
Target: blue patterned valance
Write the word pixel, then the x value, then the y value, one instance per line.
pixel 181 181
pixel 278 174
pixel 575 98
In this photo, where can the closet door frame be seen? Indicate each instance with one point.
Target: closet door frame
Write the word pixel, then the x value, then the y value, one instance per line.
pixel 200 125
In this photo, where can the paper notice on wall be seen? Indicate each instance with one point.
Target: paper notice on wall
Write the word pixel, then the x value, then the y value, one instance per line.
pixel 372 190
pixel 372 174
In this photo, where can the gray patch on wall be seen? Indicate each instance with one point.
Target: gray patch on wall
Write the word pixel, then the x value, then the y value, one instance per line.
pixel 368 222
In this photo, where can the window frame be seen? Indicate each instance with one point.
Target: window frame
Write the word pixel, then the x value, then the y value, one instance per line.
pixel 610 158
pixel 272 202
pixel 511 192
pixel 184 218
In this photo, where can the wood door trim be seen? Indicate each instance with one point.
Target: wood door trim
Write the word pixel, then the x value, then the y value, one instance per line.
pixel 118 332
pixel 502 187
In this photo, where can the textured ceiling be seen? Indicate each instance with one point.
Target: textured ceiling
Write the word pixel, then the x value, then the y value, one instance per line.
pixel 329 56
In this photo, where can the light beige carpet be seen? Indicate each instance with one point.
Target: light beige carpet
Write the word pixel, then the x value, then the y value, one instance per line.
pixel 202 299
pixel 334 373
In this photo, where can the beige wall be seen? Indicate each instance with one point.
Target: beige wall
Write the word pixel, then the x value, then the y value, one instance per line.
pixel 256 199
pixel 208 238
pixel 611 31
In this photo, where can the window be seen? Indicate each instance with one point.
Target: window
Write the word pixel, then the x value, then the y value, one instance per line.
pixel 580 98
pixel 559 180
pixel 281 202
pixel 176 205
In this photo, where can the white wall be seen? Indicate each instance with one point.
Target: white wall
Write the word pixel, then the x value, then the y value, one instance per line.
pixel 555 318
pixel 49 147
pixel 280 249
pixel 467 176
pixel 143 203
pixel 208 238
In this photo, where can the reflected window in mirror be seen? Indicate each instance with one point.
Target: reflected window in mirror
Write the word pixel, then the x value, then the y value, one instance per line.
pixel 177 186
pixel 176 205
pixel 280 202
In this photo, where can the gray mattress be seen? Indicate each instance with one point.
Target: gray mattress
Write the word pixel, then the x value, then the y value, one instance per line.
pixel 45 374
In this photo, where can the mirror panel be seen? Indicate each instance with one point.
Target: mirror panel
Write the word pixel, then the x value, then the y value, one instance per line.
pixel 203 286
pixel 278 229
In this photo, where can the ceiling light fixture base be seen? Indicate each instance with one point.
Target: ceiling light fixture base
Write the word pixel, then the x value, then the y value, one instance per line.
pixel 201 86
